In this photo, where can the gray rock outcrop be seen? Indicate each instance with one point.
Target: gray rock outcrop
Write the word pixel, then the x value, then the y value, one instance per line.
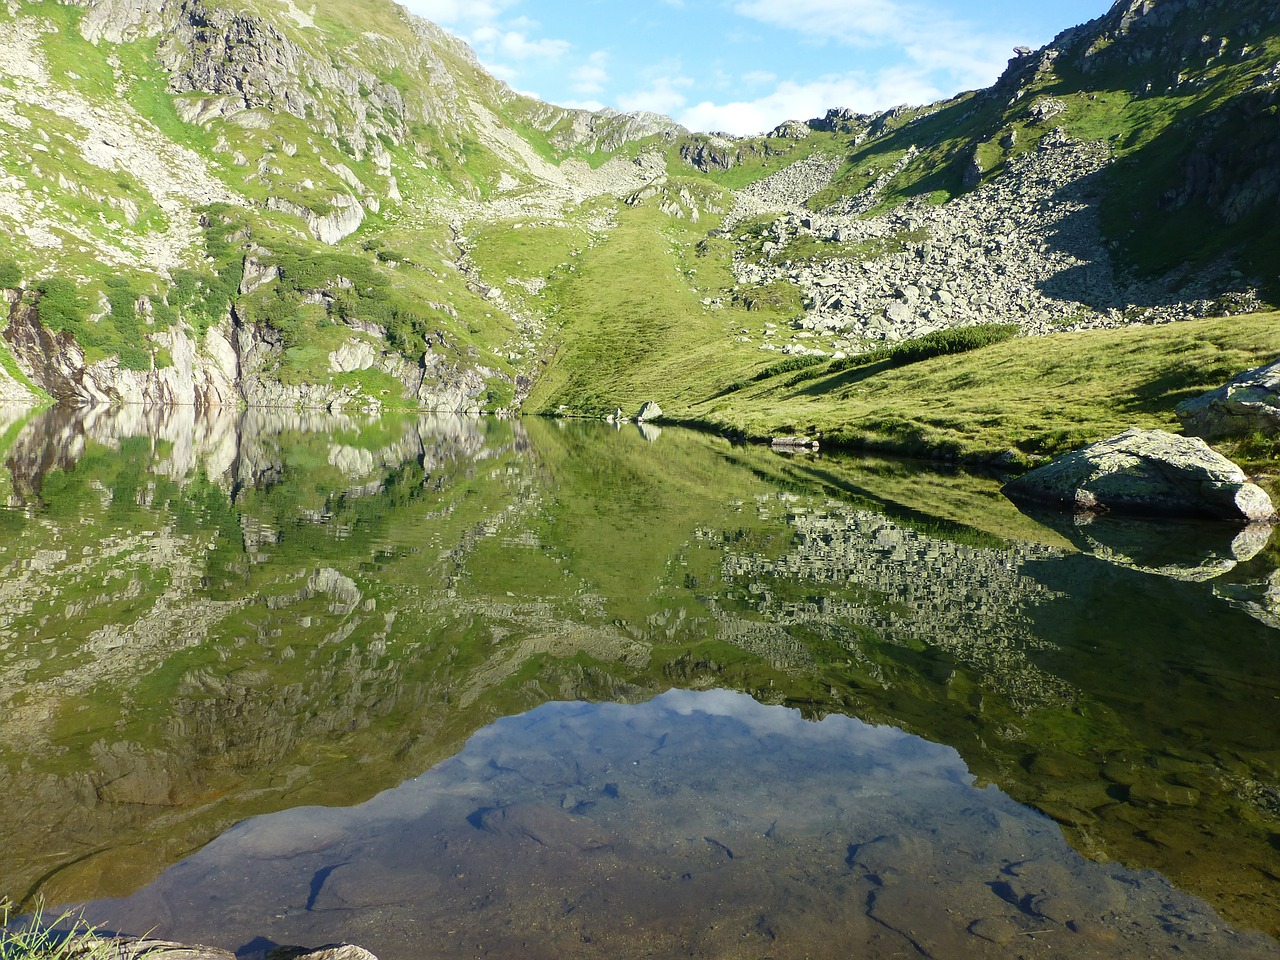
pixel 1147 472
pixel 131 948
pixel 1248 404
pixel 201 372
pixel 650 411
pixel 343 218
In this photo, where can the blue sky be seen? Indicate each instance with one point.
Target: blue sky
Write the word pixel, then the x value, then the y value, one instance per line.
pixel 744 66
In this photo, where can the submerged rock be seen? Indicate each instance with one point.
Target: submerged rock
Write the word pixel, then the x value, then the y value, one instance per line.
pixel 131 948
pixel 1149 472
pixel 1248 404
pixel 332 951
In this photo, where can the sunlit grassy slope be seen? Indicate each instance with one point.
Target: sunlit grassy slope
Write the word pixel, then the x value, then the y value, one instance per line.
pixel 1020 400
pixel 633 325
pixel 1034 396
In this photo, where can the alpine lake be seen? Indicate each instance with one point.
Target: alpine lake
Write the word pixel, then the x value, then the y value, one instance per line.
pixel 451 687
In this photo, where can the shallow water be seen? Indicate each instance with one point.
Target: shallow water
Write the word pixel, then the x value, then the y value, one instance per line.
pixel 699 823
pixel 208 618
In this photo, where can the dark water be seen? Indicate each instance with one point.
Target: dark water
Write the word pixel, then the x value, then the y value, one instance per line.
pixel 884 680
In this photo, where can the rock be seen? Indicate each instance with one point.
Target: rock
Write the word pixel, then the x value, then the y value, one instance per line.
pixel 354 355
pixel 1046 109
pixel 257 275
pixel 793 443
pixel 898 312
pixel 130 948
pixel 332 951
pixel 1250 403
pixel 650 411
pixel 790 130
pixel 344 217
pixel 201 373
pixel 1147 472
pixel 973 172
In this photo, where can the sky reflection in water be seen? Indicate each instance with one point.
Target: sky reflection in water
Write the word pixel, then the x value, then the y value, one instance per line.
pixel 699 823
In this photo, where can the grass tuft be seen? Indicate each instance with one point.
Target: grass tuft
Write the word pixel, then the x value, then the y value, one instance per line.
pixel 35 938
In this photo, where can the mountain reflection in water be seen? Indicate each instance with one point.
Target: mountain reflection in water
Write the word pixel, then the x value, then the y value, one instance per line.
pixel 698 824
pixel 210 616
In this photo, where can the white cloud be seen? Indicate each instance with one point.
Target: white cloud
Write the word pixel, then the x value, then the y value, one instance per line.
pixel 453 12
pixel 595 106
pixel 665 94
pixel 797 101
pixel 850 21
pixel 931 40
pixel 517 45
pixel 591 76
pixel 758 78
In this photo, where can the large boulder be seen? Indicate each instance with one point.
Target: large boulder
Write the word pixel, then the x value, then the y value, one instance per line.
pixel 1248 404
pixel 1150 472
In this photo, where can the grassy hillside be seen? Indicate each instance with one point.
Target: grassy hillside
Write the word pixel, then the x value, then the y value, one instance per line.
pixel 633 326
pixel 1036 397
pixel 1017 401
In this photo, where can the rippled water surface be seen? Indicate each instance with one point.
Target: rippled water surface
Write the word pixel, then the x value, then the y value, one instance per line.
pixel 903 719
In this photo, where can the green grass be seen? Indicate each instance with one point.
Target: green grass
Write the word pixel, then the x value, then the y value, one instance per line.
pixel 1036 397
pixel 35 938
pixel 501 250
pixel 780 297
pixel 633 324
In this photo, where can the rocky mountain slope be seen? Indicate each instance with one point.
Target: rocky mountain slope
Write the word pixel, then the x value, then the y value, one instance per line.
pixel 225 201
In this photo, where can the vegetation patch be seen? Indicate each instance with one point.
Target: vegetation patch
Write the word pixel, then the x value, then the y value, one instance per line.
pixel 939 343
pixel 34 937
pixel 777 296
pixel 10 275
pixel 1018 401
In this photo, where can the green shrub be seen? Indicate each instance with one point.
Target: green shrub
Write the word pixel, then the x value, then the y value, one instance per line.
pixel 936 344
pixel 790 364
pixel 135 356
pixel 124 302
pixel 60 305
pixel 10 275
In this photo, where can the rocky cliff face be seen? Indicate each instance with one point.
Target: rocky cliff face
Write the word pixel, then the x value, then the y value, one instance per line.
pixel 204 373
